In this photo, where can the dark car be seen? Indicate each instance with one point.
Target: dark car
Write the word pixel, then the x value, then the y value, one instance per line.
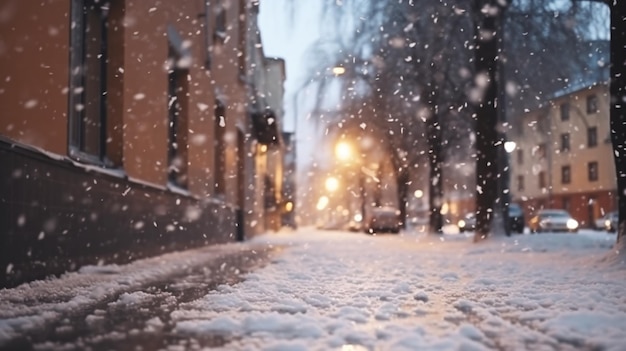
pixel 383 219
pixel 553 220
pixel 467 223
pixel 516 218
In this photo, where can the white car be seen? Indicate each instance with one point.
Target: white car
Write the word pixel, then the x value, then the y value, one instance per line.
pixel 610 222
pixel 553 220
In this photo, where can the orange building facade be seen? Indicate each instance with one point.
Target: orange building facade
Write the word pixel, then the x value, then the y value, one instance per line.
pixel 126 130
pixel 564 157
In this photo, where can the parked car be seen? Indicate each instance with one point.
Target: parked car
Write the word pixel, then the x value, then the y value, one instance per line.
pixel 467 223
pixel 553 220
pixel 610 222
pixel 355 224
pixel 516 218
pixel 383 219
pixel 600 222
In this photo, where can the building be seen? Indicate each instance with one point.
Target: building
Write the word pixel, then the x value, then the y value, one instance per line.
pixel 289 181
pixel 125 131
pixel 266 103
pixel 564 156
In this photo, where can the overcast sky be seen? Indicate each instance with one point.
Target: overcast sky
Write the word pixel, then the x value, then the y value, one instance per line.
pixel 288 29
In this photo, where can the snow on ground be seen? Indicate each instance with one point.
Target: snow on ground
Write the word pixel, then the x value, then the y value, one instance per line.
pixel 350 291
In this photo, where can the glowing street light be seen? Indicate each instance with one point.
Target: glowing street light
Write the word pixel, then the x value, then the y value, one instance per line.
pixel 343 151
pixel 332 184
pixel 322 203
pixel 509 146
pixel 338 70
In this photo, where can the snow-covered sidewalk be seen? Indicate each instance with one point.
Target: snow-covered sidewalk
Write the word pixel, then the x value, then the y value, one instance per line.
pixel 342 291
pixel 331 290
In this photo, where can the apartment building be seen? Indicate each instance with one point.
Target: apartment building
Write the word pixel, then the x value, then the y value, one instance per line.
pixel 126 130
pixel 564 157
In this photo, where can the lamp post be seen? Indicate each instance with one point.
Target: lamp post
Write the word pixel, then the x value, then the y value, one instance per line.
pixel 345 152
pixel 332 184
pixel 509 147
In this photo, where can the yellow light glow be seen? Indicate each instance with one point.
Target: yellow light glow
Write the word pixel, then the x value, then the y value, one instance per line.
pixel 289 206
pixel 338 70
pixel 343 151
pixel 322 203
pixel 332 184
pixel 418 194
pixel 444 209
pixel 263 148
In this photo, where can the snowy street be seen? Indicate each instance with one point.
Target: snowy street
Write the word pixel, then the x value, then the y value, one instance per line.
pixel 323 290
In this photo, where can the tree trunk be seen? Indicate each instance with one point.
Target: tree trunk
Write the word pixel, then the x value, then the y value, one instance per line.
pixel 486 14
pixel 618 112
pixel 435 190
pixel 402 180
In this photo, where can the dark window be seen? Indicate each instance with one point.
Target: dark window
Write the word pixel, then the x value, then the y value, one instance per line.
pixel 540 150
pixel 208 36
pixel 89 60
pixel 520 156
pixel 567 204
pixel 220 23
pixel 243 8
pixel 520 183
pixel 566 174
pixel 592 103
pixel 592 171
pixel 177 121
pixel 565 145
pixel 220 148
pixel 269 192
pixel 592 136
pixel 565 111
pixel 542 179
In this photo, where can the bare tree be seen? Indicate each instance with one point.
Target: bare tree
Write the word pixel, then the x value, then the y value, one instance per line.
pixel 415 64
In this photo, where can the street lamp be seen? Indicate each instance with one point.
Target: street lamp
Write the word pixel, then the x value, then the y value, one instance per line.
pixel 338 70
pixel 509 146
pixel 322 202
pixel 505 181
pixel 332 184
pixel 344 151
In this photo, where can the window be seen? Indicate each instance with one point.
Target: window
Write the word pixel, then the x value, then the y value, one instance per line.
pixel 177 107
pixel 520 156
pixel 567 204
pixel 592 103
pixel 592 136
pixel 243 29
pixel 520 183
pixel 566 174
pixel 208 36
pixel 565 145
pixel 540 150
pixel 89 61
pixel 219 36
pixel 542 180
pixel 592 171
pixel 565 111
pixel 220 148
